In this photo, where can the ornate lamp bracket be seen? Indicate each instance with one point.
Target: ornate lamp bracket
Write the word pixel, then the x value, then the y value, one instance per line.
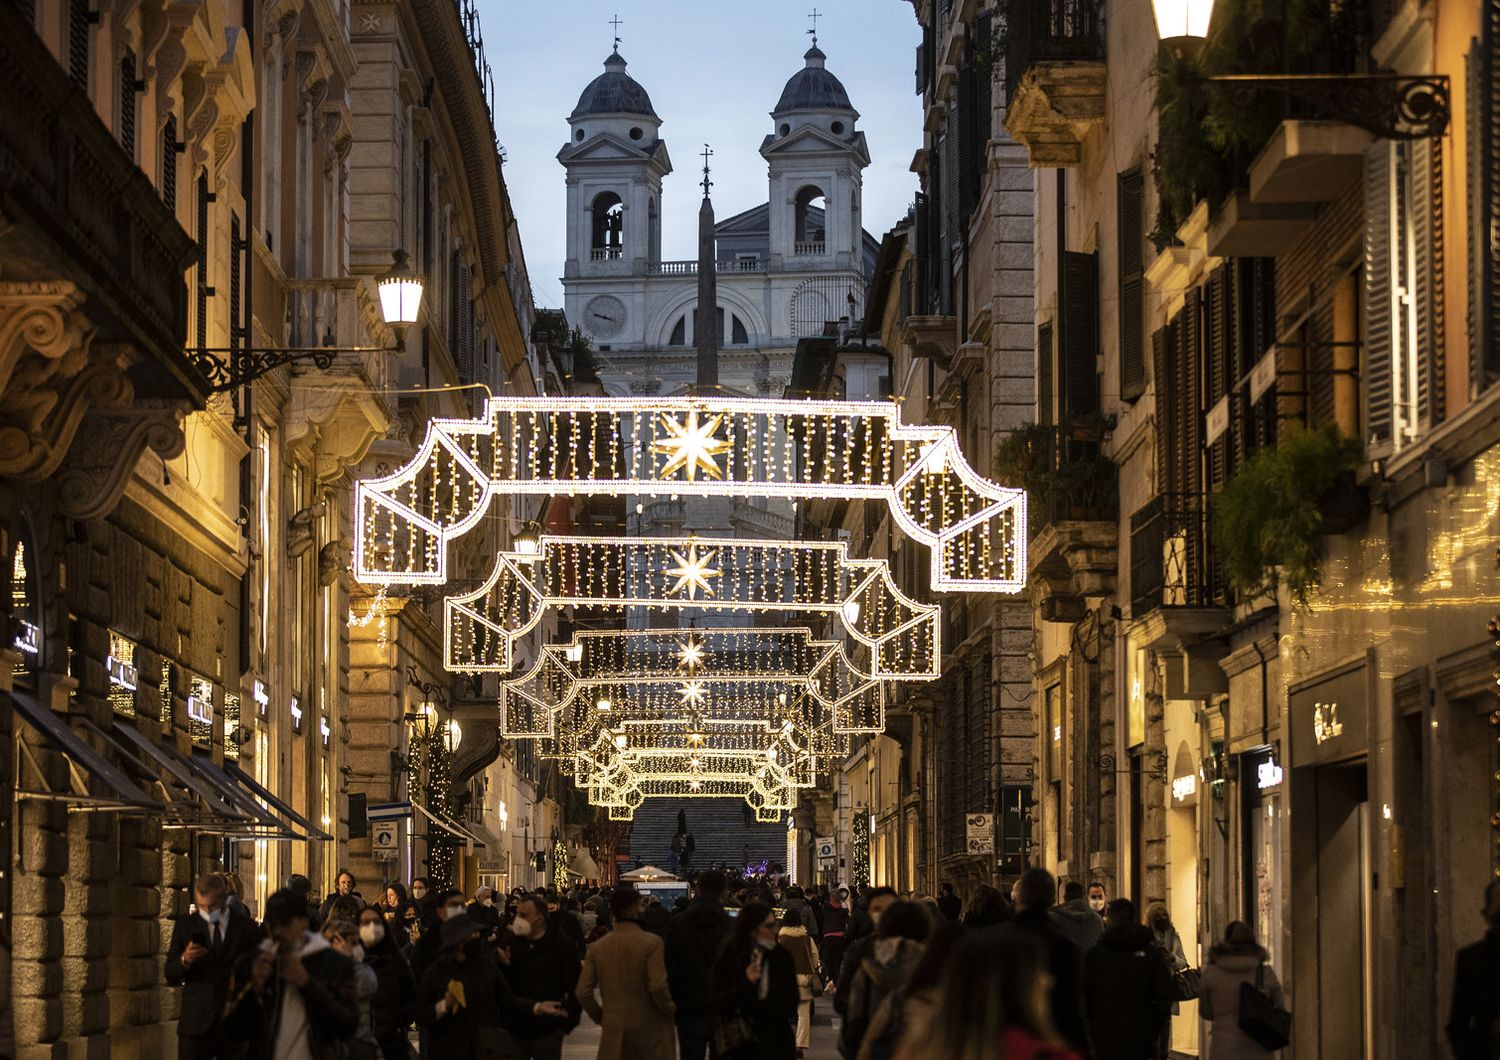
pixel 231 367
pixel 1391 106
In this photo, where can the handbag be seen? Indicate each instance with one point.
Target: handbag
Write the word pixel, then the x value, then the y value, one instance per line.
pixel 1267 1023
pixel 1187 983
pixel 731 1033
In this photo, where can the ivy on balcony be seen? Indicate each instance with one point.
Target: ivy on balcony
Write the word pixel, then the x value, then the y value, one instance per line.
pixel 1269 520
pixel 1063 470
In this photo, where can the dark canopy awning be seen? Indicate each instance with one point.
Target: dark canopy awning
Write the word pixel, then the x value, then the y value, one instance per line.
pixel 273 803
pixel 83 757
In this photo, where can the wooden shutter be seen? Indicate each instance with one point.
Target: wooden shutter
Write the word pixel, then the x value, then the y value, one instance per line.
pixel 1428 282
pixel 169 163
pixel 1483 81
pixel 1130 215
pixel 1218 332
pixel 1079 336
pixel 948 205
pixel 1045 396
pixel 203 289
pixel 236 250
pixel 1190 396
pixel 968 134
pixel 1377 323
pixel 127 102
pixel 80 42
pixel 1166 384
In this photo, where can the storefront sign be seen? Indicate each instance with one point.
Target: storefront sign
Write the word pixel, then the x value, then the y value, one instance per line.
pixel 296 711
pixel 262 697
pixel 1184 787
pixel 1330 717
pixel 200 708
pixel 1263 375
pixel 1268 775
pixel 383 840
pixel 387 811
pixel 28 637
pixel 121 673
pixel 980 831
pixel 1217 420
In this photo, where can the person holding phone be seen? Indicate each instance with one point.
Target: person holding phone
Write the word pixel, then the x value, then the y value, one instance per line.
pixel 205 945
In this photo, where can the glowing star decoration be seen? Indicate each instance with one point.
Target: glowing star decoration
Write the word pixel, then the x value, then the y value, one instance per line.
pixel 692 446
pixel 693 693
pixel 690 656
pixel 693 572
pixel 974 529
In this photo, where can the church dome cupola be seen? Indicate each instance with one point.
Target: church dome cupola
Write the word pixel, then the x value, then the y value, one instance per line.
pixel 614 92
pixel 813 88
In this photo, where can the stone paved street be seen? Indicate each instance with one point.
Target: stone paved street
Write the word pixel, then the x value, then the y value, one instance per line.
pixel 583 1044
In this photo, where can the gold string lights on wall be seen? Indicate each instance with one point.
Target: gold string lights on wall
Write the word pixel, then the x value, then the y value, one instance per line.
pixel 692 447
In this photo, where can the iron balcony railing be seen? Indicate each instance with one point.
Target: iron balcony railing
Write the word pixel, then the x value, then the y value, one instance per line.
pixel 1038 31
pixel 1171 561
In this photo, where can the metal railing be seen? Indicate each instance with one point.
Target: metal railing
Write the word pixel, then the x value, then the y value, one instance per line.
pixel 1048 30
pixel 1064 471
pixel 1171 562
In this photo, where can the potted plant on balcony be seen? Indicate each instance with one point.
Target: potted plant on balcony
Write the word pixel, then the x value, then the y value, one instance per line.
pixel 1269 520
pixel 1062 469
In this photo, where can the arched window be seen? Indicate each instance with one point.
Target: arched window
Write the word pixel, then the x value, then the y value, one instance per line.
pixel 609 227
pixel 740 336
pixel 679 333
pixel 809 207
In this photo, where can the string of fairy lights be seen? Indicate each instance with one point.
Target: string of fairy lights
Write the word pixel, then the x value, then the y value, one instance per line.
pixel 715 684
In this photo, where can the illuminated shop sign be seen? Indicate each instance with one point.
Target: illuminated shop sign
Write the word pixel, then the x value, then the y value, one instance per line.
pixel 1184 787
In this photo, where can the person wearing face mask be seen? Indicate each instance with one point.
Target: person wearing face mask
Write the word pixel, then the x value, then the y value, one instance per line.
pixel 466 1004
pixel 343 936
pixel 861 938
pixel 200 958
pixel 753 995
pixel 394 1006
pixel 1098 898
pixel 636 1011
pixel 1076 919
pixel 484 911
pixel 543 961
pixel 1474 1018
pixel 425 950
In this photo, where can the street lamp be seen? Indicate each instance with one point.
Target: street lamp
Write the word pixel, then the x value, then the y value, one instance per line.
pixel 228 367
pixel 528 540
pixel 1390 106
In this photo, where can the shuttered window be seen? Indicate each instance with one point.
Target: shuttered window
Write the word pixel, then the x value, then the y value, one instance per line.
pixel 1045 386
pixel 948 204
pixel 80 42
pixel 1483 81
pixel 236 253
pixel 975 79
pixel 1078 338
pixel 1130 203
pixel 203 290
pixel 169 163
pixel 128 91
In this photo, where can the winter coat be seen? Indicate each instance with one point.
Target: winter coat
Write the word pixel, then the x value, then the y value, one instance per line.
pixel 951 906
pixel 547 969
pixel 1078 922
pixel 799 944
pixel 809 922
pixel 394 1006
pixel 628 967
pixel 693 941
pixel 1474 1019
pixel 883 968
pixel 772 1017
pixel 1219 1000
pixel 205 982
pixel 473 1031
pixel 1064 963
pixel 329 1000
pixel 396 923
pixel 1127 993
pixel 835 919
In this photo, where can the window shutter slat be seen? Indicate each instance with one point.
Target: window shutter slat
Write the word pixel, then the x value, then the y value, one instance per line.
pixel 1079 339
pixel 1130 203
pixel 79 43
pixel 1166 385
pixel 1044 374
pixel 127 102
pixel 169 163
pixel 1483 83
pixel 202 291
pixel 1376 371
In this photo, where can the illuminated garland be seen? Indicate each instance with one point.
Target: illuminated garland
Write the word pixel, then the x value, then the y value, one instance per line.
pixel 692 446
pixel 560 865
pixel 890 635
pixel 859 854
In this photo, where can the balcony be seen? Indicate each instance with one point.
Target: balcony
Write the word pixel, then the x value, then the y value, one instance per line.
pixel 1308 161
pixel 1054 77
pixel 1179 595
pixel 345 406
pixel 607 254
pixel 809 248
pixel 690 268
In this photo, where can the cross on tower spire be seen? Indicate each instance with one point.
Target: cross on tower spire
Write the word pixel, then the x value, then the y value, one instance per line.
pixel 816 14
pixel 615 22
pixel 706 182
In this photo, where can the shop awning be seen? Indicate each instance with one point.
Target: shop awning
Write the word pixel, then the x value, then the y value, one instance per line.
pixel 208 801
pixel 82 759
pixel 275 805
pixel 449 825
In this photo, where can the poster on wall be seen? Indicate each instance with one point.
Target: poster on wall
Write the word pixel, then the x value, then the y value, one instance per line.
pixel 980 831
pixel 383 840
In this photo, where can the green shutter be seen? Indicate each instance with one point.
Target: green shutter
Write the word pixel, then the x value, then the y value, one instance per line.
pixel 1130 205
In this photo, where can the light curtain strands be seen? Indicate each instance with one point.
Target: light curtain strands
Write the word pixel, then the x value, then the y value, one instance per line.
pixel 700 446
pixel 889 635
pixel 622 779
pixel 787 666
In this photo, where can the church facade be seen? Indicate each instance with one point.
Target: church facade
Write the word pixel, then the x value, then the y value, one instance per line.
pixel 785 269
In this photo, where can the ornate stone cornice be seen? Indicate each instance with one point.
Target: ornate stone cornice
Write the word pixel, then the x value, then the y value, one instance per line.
pixel 93 478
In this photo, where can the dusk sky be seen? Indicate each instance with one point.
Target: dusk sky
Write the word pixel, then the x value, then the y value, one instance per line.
pixel 714 69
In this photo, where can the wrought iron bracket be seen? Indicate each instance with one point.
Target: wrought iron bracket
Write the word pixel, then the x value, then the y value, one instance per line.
pixel 1157 770
pixel 229 367
pixel 1391 106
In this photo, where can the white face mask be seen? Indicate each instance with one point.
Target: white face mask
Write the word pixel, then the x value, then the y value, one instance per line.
pixel 419 893
pixel 1097 904
pixel 357 954
pixel 454 908
pixel 371 934
pixel 521 927
pixel 486 902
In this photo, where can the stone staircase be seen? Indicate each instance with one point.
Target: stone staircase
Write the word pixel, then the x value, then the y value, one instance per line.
pixel 721 828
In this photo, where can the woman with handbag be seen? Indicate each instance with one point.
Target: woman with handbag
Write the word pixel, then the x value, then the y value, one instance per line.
pixel 1234 964
pixel 753 991
pixel 797 942
pixel 1186 980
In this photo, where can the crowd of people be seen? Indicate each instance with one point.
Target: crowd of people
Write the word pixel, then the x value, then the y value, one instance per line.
pixel 734 971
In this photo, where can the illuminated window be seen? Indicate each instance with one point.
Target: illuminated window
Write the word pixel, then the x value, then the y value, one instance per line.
pixel 123 676
pixel 165 688
pixel 231 725
pixel 24 610
pixel 200 709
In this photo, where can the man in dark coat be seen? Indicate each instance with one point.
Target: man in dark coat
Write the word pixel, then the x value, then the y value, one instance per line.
pixel 543 962
pixel 1037 891
pixel 1474 1019
pixel 424 952
pixel 1075 919
pixel 861 939
pixel 294 997
pixel 949 904
pixel 344 887
pixel 201 958
pixel 693 941
pixel 465 1003
pixel 1127 988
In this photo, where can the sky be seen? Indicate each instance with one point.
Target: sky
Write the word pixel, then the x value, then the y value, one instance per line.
pixel 713 69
